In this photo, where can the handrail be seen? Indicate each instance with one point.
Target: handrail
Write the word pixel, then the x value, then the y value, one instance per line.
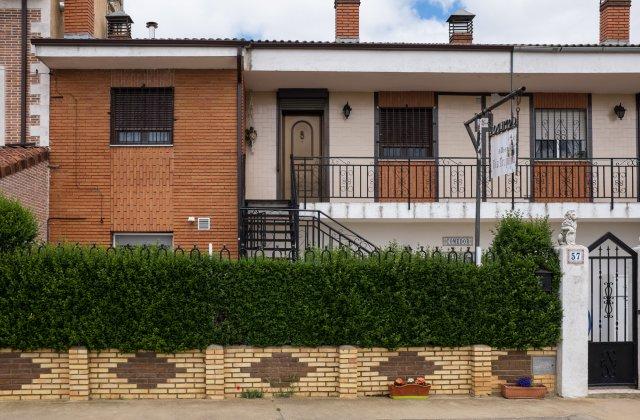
pixel 319 215
pixel 414 180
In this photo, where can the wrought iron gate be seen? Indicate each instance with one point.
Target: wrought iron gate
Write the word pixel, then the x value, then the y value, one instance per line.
pixel 613 313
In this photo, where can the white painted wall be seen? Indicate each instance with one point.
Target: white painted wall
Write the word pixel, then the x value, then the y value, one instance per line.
pixel 573 349
pixel 612 137
pixel 2 107
pixel 425 224
pixel 261 165
pixel 453 110
pixel 351 137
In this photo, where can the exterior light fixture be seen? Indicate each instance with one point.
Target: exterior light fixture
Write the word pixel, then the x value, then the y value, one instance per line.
pixel 346 111
pixel 620 110
pixel 250 136
pixel 545 277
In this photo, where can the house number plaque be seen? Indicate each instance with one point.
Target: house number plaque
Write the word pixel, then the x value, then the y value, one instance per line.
pixel 575 256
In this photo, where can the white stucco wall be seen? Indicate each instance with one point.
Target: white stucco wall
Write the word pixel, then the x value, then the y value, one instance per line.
pixel 453 110
pixel 612 137
pixel 261 165
pixel 351 137
pixel 428 233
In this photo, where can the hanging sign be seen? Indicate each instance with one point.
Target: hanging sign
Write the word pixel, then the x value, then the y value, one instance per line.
pixel 504 148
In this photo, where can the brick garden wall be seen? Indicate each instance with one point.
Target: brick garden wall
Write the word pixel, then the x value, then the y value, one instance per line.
pixel 217 372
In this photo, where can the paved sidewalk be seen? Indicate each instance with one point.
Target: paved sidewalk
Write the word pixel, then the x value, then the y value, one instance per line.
pixel 370 408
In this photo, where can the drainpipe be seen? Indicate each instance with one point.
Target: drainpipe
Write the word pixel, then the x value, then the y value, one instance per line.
pixel 24 73
pixel 240 137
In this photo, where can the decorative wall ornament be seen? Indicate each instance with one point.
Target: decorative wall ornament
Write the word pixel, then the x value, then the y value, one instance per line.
pixel 568 229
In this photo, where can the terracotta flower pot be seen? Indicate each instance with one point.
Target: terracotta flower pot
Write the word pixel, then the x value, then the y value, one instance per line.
pixel 513 392
pixel 409 392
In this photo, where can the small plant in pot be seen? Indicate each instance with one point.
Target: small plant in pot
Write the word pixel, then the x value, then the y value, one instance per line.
pixel 524 388
pixel 411 389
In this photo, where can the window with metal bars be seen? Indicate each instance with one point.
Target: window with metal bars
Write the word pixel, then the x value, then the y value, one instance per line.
pixel 406 133
pixel 561 133
pixel 141 116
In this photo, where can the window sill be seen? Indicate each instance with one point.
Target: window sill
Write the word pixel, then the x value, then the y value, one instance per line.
pixel 141 145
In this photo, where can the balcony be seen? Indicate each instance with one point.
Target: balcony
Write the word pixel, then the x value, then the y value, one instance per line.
pixel 446 179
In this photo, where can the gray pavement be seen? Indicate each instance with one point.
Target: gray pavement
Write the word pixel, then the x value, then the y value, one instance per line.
pixel 369 408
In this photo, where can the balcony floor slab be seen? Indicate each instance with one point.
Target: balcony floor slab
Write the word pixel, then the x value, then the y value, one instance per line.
pixel 465 211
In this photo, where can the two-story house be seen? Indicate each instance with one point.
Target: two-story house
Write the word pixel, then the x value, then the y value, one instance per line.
pixel 278 146
pixel 173 138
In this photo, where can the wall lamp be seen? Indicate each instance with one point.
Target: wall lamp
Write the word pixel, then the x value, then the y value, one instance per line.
pixel 346 111
pixel 620 110
pixel 250 136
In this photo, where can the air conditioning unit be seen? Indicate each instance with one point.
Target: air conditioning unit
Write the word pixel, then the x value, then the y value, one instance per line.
pixel 204 223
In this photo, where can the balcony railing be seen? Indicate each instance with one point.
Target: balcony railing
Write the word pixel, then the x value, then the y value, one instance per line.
pixel 346 179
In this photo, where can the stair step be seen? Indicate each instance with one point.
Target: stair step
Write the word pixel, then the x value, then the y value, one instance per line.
pixel 276 204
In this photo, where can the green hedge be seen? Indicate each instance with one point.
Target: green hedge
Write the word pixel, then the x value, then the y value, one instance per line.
pixel 59 298
pixel 18 225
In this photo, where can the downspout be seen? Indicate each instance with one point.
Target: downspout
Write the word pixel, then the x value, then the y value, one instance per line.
pixel 24 73
pixel 240 159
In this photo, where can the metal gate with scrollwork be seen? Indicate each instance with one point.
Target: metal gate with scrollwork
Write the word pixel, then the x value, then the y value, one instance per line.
pixel 612 314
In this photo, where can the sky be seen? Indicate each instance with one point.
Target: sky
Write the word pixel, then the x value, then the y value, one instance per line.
pixel 497 21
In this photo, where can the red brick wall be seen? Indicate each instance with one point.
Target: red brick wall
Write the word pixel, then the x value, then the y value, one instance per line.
pixel 347 19
pixel 30 186
pixel 10 50
pixel 615 20
pixel 97 189
pixel 79 17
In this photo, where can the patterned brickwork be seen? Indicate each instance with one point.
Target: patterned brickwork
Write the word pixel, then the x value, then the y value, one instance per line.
pixel 507 366
pixel 448 370
pixel 310 372
pixel 42 375
pixel 218 373
pixel 146 375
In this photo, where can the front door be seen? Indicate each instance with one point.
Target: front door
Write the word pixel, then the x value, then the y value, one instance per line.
pixel 612 315
pixel 302 138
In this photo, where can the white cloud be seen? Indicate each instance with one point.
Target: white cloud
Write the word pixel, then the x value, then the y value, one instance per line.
pixel 497 21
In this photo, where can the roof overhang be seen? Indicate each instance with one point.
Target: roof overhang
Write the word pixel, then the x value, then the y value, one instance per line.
pixel 595 70
pixel 141 54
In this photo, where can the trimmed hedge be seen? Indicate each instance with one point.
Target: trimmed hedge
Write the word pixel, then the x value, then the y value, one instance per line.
pixel 137 300
pixel 18 225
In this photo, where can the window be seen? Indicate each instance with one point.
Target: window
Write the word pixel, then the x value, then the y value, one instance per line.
pixel 140 239
pixel 141 116
pixel 406 133
pixel 561 133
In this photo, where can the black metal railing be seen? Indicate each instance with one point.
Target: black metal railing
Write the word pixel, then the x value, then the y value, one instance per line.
pixel 322 179
pixel 288 232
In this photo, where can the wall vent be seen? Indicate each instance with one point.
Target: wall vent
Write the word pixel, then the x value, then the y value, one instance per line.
pixel 204 223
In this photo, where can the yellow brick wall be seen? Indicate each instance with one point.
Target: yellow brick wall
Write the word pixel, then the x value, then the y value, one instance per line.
pixel 116 375
pixel 217 372
pixel 521 366
pixel 308 372
pixel 40 375
pixel 447 370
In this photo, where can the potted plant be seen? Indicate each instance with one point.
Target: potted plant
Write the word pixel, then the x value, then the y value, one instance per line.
pixel 524 388
pixel 411 389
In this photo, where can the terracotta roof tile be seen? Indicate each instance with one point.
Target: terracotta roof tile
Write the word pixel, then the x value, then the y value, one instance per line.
pixel 15 159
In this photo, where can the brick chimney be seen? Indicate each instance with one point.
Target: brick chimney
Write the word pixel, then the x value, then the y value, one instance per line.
pixel 347 20
pixel 615 21
pixel 461 27
pixel 79 19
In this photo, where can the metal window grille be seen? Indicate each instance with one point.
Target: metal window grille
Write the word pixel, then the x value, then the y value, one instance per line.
pixel 561 133
pixel 142 116
pixel 406 133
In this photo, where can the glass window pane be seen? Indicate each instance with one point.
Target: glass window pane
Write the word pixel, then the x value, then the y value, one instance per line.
pixel 140 239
